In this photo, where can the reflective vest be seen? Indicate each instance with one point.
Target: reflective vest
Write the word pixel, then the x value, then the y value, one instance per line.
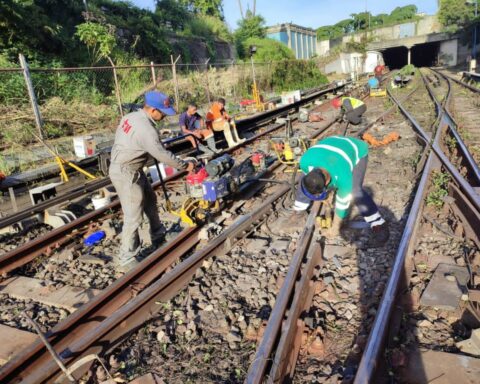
pixel 355 102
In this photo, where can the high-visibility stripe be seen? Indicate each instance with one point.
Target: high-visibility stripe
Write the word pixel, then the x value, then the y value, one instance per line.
pixel 299 206
pixel 341 205
pixel 345 199
pixel 373 217
pixel 377 222
pixel 337 150
pixel 355 148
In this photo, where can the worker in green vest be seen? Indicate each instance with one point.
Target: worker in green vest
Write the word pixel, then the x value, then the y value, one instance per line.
pixel 338 164
pixel 351 109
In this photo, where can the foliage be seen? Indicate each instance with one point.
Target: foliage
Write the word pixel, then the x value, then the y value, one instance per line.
pixel 455 14
pixel 205 7
pixel 407 70
pixel 438 190
pixel 173 13
pixel 209 27
pixel 252 26
pixel 365 20
pixel 296 74
pixel 99 39
pixel 268 50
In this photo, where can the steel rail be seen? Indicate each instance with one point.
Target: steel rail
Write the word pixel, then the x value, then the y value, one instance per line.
pixel 257 368
pixel 29 251
pixel 433 143
pixel 250 123
pixel 471 88
pixel 452 125
pixel 376 339
pixel 93 312
pixel 94 329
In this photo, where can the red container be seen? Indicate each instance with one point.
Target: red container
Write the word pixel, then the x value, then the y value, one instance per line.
pixel 194 183
pixel 258 160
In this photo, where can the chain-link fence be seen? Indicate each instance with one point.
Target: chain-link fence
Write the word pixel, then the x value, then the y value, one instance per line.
pixel 81 101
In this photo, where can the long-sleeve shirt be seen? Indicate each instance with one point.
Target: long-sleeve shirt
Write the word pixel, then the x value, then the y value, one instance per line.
pixel 217 111
pixel 338 155
pixel 136 138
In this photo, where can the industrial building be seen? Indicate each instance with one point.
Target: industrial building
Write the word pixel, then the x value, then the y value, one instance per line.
pixel 301 40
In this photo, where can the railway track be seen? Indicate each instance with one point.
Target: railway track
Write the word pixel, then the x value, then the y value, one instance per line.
pixel 420 333
pixel 251 124
pixel 208 302
pixel 29 252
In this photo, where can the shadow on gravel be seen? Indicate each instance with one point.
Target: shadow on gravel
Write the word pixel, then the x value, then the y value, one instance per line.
pixel 367 285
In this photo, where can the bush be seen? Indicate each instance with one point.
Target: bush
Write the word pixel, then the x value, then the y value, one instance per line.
pixel 268 50
pixel 296 74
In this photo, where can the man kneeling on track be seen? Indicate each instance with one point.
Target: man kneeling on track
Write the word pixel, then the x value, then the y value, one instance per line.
pixel 136 139
pixel 191 122
pixel 339 163
pixel 351 109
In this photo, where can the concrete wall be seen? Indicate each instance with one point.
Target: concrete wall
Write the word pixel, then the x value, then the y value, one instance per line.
pixel 448 52
pixel 323 47
pixel 354 62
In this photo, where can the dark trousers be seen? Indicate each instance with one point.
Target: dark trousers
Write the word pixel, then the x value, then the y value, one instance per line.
pixel 355 115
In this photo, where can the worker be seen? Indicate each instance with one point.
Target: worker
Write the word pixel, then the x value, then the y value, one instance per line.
pixel 219 120
pixel 351 109
pixel 338 163
pixel 378 71
pixel 135 139
pixel 192 123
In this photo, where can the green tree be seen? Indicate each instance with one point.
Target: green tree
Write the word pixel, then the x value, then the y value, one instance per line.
pixel 268 49
pixel 205 7
pixel 455 14
pixel 250 26
pixel 99 39
pixel 400 14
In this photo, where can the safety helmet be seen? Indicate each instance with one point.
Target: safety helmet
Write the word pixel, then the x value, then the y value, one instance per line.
pixel 337 103
pixel 313 185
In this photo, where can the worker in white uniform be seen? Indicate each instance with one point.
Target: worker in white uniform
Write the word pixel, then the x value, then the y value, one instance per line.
pixel 135 140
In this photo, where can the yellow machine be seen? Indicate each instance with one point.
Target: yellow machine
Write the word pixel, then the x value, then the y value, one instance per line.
pixel 256 97
pixel 378 92
pixel 194 210
pixel 289 150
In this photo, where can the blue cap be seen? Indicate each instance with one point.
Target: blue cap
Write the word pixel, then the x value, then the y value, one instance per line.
pixel 160 101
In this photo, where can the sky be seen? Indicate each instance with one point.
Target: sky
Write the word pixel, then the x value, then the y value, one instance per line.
pixel 310 13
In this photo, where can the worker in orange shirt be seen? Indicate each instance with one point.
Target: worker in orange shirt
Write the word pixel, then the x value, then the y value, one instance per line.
pixel 219 120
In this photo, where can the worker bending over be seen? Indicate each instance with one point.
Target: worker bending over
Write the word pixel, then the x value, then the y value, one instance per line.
pixel 136 138
pixel 339 163
pixel 192 123
pixel 351 109
pixel 219 120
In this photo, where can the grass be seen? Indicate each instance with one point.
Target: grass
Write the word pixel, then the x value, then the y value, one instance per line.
pixel 438 189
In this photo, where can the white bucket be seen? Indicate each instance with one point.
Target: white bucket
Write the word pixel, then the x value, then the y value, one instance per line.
pixel 100 201
pixel 84 146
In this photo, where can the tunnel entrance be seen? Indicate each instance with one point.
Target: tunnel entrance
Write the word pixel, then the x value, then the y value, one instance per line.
pixel 396 57
pixel 425 55
pixel 422 55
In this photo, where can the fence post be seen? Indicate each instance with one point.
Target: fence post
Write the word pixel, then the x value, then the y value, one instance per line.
pixel 31 95
pixel 117 87
pixel 154 77
pixel 175 83
pixel 206 78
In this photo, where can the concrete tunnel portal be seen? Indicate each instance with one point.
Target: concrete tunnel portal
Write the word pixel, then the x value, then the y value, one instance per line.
pixel 421 55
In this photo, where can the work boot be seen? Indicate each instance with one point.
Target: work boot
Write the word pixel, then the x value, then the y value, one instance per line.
pixel 379 236
pixel 228 136
pixel 212 145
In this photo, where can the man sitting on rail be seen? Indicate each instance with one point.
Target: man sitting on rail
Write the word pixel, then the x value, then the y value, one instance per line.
pixel 351 109
pixel 219 120
pixel 136 139
pixel 339 163
pixel 192 123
